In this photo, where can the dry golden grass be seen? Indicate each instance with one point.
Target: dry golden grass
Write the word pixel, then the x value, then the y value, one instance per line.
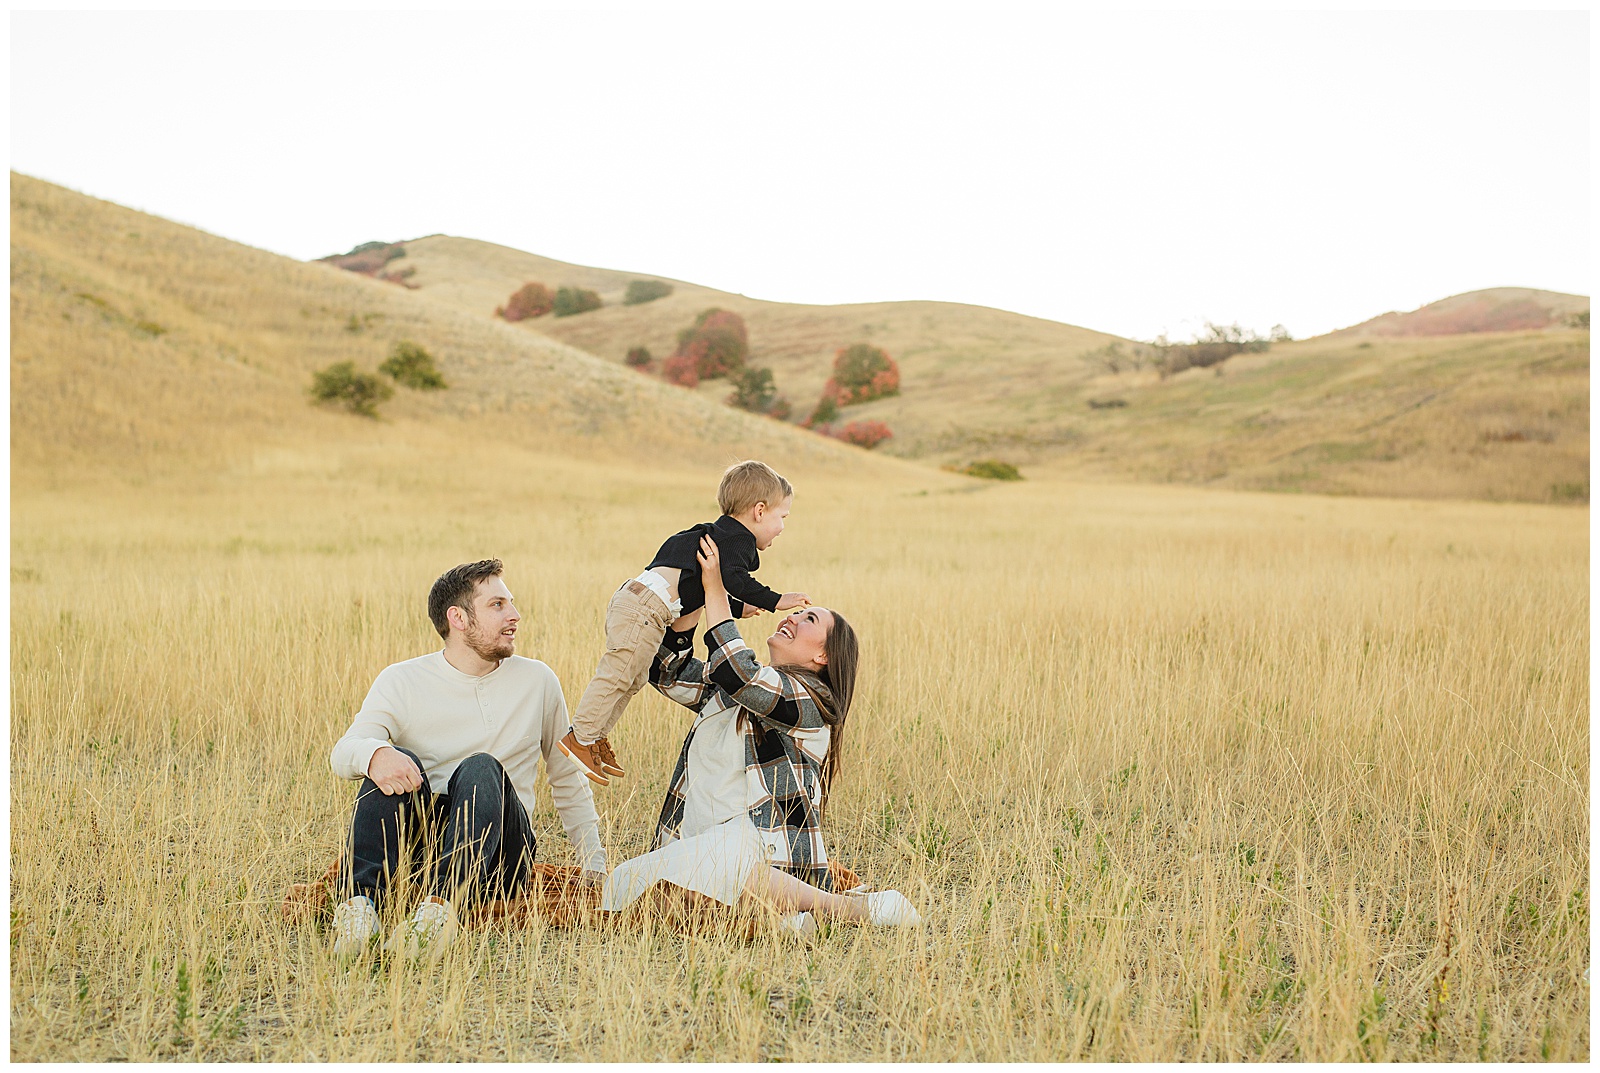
pixel 1501 416
pixel 1171 773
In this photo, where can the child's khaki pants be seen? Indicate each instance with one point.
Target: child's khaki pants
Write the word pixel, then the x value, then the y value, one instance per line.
pixel 636 620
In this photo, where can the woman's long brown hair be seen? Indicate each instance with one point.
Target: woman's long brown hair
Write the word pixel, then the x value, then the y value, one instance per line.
pixel 833 688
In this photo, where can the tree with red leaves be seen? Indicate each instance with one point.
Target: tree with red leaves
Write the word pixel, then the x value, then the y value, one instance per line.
pixel 531 300
pixel 862 373
pixel 681 369
pixel 716 344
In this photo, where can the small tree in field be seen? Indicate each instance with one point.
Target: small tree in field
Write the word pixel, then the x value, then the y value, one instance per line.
pixel 530 300
pixel 359 393
pixel 1213 346
pixel 571 300
pixel 638 358
pixel 862 373
pixel 641 291
pixel 716 342
pixel 412 366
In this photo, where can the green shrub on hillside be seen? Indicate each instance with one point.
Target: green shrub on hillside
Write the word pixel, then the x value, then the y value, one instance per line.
pixel 1579 320
pixel 638 357
pixel 826 412
pixel 359 393
pixel 412 366
pixel 753 390
pixel 570 300
pixel 641 291
pixel 992 469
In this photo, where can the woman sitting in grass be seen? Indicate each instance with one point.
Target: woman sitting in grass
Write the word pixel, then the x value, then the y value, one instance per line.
pixel 743 814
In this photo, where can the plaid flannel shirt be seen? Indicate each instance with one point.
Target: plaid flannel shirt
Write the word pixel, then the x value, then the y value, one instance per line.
pixel 785 795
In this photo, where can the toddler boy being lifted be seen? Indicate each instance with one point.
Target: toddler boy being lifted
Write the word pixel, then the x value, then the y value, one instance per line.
pixel 754 501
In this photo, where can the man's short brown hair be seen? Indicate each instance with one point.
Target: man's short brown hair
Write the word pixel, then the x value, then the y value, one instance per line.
pixel 747 483
pixel 455 588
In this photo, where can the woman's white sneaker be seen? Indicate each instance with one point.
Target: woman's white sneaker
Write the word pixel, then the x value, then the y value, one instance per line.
pixel 803 925
pixel 891 909
pixel 355 925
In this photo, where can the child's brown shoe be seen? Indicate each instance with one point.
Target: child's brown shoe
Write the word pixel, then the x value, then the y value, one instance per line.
pixel 584 756
pixel 608 759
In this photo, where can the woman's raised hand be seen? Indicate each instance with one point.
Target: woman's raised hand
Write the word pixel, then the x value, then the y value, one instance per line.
pixel 710 565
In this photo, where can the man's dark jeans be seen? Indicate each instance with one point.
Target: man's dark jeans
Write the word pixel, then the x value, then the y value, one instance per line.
pixel 476 839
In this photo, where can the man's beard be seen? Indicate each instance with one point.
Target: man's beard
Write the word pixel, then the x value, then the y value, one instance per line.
pixel 488 645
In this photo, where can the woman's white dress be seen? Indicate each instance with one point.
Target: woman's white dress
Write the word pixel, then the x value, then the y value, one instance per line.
pixel 718 846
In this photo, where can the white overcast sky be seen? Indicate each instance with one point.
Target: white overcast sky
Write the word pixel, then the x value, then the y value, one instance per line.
pixel 1134 173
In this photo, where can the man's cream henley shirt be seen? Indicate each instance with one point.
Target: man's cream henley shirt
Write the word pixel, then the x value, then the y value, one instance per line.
pixel 515 713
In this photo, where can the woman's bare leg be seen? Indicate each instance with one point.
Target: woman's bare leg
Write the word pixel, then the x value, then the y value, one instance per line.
pixel 785 892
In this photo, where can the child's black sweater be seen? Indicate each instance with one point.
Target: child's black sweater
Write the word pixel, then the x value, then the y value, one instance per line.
pixel 737 546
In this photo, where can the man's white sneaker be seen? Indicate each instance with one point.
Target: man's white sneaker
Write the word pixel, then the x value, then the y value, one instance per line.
pixel 890 908
pixel 803 925
pixel 355 925
pixel 430 930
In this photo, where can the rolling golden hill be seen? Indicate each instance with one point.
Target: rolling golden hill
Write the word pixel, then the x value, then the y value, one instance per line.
pixel 1498 309
pixel 136 341
pixel 143 347
pixel 1490 414
pixel 960 363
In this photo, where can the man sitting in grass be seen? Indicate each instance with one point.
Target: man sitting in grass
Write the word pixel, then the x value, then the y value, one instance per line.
pixel 447 746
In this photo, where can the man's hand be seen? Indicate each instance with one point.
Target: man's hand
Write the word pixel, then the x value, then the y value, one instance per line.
pixel 792 600
pixel 394 771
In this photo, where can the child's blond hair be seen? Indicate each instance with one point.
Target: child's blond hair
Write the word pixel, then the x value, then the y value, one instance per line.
pixel 750 482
